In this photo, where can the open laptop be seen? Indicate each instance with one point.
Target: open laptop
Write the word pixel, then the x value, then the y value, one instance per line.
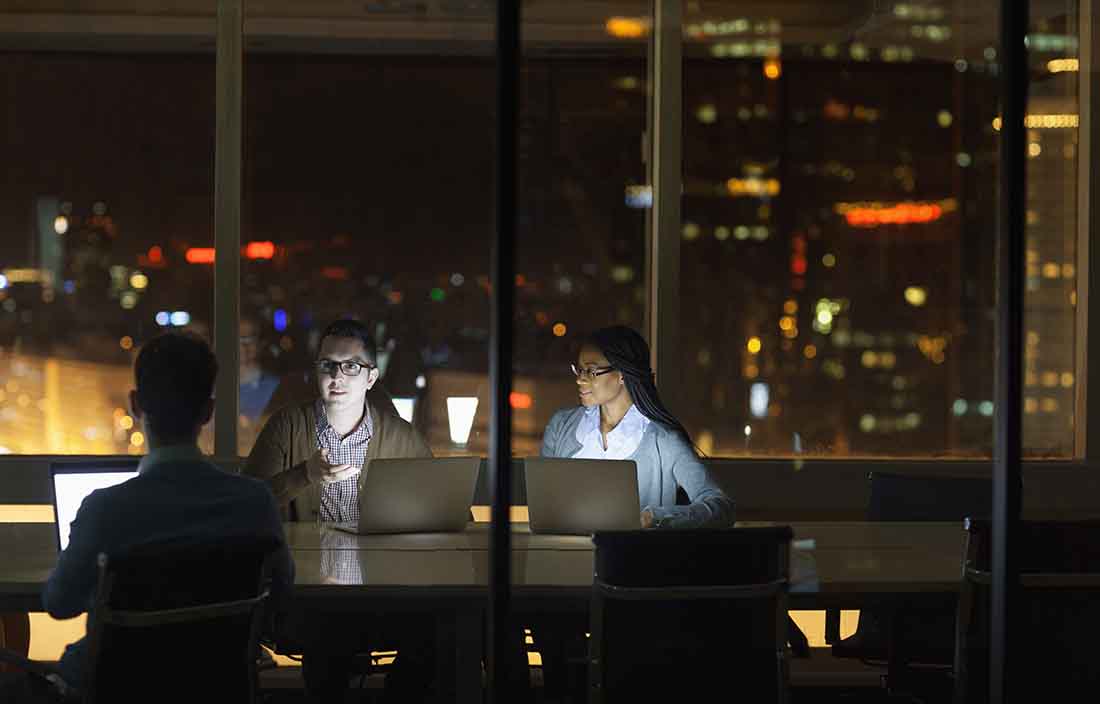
pixel 416 495
pixel 578 497
pixel 74 480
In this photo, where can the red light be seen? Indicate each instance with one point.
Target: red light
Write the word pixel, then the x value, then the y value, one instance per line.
pixel 259 250
pixel 521 280
pixel 156 254
pixel 520 400
pixel 200 255
pixel 339 273
pixel 798 264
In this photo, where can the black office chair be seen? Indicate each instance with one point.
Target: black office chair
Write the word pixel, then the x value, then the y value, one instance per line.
pixel 671 611
pixel 1053 620
pixel 163 607
pixel 924 635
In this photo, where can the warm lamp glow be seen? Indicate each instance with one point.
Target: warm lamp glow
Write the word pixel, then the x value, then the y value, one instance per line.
pixel 405 407
pixel 460 417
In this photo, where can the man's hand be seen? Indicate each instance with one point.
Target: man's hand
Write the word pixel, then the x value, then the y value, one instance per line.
pixel 647 519
pixel 320 471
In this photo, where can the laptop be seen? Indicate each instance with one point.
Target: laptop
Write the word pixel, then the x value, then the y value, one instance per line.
pixel 579 497
pixel 416 495
pixel 72 481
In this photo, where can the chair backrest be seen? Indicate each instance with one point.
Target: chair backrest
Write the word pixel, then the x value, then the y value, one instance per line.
pixel 178 621
pixel 1055 616
pixel 897 497
pixel 671 610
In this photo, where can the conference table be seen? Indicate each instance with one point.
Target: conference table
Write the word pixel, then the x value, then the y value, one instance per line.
pixel 845 565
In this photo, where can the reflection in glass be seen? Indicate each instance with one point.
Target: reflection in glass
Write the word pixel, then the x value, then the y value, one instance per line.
pixel 838 230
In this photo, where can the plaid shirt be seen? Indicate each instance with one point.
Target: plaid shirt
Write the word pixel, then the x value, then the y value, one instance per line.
pixel 340 500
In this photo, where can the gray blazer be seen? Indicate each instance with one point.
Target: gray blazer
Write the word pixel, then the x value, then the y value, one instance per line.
pixel 665 460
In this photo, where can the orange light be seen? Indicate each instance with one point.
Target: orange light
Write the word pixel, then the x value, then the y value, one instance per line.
pixel 627 27
pixel 200 255
pixel 338 273
pixel 773 69
pixel 873 214
pixel 156 254
pixel 559 329
pixel 520 400
pixel 259 250
pixel 521 280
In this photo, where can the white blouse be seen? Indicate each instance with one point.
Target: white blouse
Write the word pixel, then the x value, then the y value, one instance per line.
pixel 622 441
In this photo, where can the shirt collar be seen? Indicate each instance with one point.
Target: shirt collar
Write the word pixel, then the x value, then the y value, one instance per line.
pixel 170 454
pixel 632 426
pixel 365 427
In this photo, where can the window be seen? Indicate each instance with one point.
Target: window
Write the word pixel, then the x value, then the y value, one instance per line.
pixel 838 235
pixel 108 183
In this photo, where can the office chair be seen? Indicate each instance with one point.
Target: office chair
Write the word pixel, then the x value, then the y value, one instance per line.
pixel 1053 621
pixel 673 610
pixel 178 622
pixel 898 638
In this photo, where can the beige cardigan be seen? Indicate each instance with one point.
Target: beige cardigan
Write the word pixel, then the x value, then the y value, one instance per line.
pixel 290 437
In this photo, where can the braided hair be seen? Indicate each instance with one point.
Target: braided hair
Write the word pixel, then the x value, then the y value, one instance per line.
pixel 628 353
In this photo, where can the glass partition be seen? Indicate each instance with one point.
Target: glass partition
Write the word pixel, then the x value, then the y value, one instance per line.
pixel 838 234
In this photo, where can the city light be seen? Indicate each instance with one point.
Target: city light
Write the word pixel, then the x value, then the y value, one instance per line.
pixel 338 273
pixel 437 294
pixel 639 196
pixel 869 214
pixel 164 318
pixel 460 417
pixel 128 300
pixel 790 306
pixel 828 261
pixel 559 329
pixel 773 69
pixel 1060 65
pixel 421 381
pixel 754 345
pixel 3 282
pixel 61 224
pixel 752 186
pixel 279 320
pixel 138 280
pixel 915 296
pixel 180 318
pixel 126 343
pixel 706 114
pixel 809 351
pixel 1052 121
pixel 199 255
pixel 759 397
pixel 520 400
pixel 259 250
pixel 405 407
pixel 156 254
pixel 627 27
pixel 137 439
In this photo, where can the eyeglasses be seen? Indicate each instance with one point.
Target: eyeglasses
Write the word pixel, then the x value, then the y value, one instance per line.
pixel 348 367
pixel 591 373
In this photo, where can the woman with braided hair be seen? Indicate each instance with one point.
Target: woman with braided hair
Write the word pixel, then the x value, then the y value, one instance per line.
pixel 621 416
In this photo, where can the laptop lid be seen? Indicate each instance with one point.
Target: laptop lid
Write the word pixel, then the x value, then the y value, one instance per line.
pixel 417 495
pixel 579 497
pixel 72 481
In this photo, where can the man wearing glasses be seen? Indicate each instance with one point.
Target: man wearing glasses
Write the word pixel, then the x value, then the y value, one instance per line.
pixel 311 455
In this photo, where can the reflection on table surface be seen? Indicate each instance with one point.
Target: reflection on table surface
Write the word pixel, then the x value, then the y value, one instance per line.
pixel 850 558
